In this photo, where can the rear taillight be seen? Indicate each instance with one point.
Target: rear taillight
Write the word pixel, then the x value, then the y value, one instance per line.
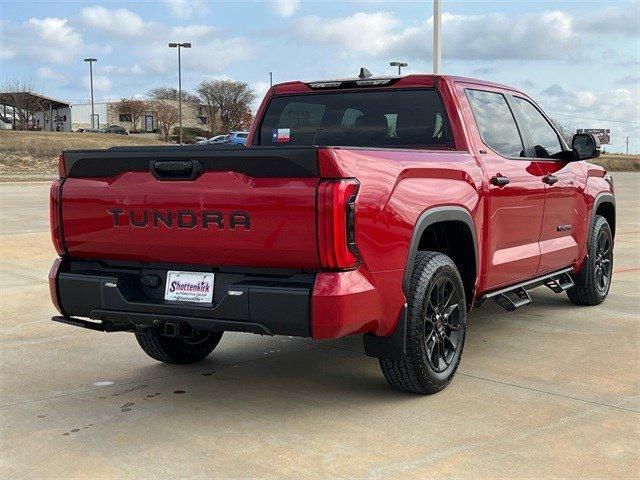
pixel 62 169
pixel 55 216
pixel 336 223
pixel 53 278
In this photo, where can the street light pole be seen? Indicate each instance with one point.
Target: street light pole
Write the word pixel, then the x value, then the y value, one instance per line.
pixel 91 60
pixel 271 79
pixel 399 65
pixel 437 14
pixel 179 46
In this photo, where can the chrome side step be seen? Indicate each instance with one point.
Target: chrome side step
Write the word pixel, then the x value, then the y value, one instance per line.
pixel 516 296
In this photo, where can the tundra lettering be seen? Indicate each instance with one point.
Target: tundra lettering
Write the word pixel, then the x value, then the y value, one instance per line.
pixel 388 207
pixel 185 219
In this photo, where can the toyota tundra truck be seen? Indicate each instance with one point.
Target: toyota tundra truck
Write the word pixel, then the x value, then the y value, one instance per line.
pixel 386 207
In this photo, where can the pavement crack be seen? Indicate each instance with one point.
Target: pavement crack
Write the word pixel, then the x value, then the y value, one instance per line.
pixel 552 394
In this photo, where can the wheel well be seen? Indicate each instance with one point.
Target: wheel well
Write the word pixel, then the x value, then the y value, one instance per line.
pixel 454 239
pixel 608 211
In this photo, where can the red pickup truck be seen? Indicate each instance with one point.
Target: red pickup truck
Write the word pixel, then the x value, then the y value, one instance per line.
pixel 387 207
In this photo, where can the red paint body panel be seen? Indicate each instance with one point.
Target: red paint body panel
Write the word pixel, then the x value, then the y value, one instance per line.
pixel 282 211
pixel 515 225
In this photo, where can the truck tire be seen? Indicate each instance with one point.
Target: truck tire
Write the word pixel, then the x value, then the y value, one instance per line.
pixel 435 328
pixel 178 350
pixel 599 264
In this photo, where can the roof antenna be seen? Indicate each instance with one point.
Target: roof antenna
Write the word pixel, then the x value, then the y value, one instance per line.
pixel 364 73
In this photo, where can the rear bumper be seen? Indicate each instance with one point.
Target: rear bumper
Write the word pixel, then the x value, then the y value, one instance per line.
pixel 114 294
pixel 323 305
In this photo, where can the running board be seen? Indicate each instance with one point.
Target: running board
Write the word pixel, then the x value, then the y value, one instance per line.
pixel 516 296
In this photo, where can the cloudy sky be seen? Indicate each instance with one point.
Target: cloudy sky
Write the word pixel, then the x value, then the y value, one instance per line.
pixel 579 59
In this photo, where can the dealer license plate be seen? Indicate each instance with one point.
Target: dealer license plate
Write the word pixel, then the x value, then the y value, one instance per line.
pixel 194 287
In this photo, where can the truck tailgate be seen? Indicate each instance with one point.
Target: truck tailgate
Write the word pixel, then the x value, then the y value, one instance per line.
pixel 233 207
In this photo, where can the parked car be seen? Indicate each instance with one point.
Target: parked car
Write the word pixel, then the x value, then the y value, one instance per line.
pixel 237 138
pixel 115 129
pixel 388 207
pixel 217 140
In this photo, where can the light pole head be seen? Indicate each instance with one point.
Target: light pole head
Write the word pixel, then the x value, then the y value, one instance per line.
pixel 173 45
pixel 183 45
pixel 186 45
pixel 90 59
pixel 398 64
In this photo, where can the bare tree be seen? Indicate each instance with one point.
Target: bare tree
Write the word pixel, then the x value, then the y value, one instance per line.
pixel 17 93
pixel 566 130
pixel 167 115
pixel 230 102
pixel 171 93
pixel 133 107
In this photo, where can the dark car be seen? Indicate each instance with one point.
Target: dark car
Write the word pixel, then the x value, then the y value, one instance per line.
pixel 116 129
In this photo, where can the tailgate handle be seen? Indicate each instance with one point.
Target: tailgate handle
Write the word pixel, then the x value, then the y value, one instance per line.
pixel 175 169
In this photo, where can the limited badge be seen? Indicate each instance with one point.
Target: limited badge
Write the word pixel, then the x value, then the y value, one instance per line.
pixel 281 135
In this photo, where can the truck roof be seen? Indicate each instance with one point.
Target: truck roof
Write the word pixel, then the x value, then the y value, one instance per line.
pixel 411 80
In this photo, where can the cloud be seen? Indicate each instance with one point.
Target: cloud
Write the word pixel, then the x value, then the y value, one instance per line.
pixel 190 33
pixel 284 8
pixel 134 70
pixel 187 8
pixel 46 73
pixel 483 71
pixel 119 22
pixel 616 109
pixel 210 55
pixel 260 88
pixel 48 40
pixel 371 33
pixel 478 37
pixel 631 80
pixel 614 20
pixel 100 83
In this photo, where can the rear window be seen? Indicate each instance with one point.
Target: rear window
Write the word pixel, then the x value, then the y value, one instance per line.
pixel 391 118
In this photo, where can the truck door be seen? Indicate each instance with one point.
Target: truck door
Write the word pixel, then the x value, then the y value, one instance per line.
pixel 515 192
pixel 565 212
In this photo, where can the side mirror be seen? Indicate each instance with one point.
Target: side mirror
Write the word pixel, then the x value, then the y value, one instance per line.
pixel 585 146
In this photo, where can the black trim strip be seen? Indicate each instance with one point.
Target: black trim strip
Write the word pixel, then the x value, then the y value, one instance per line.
pixel 260 162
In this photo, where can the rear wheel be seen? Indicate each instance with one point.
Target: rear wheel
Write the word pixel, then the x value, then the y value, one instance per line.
pixel 436 326
pixel 599 265
pixel 178 350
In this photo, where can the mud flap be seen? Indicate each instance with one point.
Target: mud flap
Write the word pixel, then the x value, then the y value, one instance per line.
pixel 393 346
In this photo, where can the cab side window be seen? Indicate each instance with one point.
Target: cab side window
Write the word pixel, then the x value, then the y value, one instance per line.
pixel 546 143
pixel 495 122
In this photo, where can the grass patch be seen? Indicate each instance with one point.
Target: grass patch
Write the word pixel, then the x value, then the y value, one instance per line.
pixel 618 162
pixel 36 153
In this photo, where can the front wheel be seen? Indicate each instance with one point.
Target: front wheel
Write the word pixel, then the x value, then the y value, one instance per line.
pixel 179 350
pixel 599 266
pixel 436 326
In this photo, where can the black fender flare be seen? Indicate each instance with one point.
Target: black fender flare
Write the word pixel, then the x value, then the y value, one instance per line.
pixel 394 346
pixel 445 213
pixel 603 197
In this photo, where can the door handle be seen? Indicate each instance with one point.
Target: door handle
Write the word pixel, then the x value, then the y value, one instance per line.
pixel 550 179
pixel 499 180
pixel 175 169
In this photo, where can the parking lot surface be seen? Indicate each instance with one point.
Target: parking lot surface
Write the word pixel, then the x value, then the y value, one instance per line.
pixel 552 390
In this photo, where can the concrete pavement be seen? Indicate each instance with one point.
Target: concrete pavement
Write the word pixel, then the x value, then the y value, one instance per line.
pixel 552 390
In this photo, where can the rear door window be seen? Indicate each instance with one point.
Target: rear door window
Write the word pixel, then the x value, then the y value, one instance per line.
pixel 388 118
pixel 496 123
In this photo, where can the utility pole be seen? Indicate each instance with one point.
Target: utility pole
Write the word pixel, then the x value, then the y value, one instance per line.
pixel 93 113
pixel 437 14
pixel 627 144
pixel 271 79
pixel 399 65
pixel 179 46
